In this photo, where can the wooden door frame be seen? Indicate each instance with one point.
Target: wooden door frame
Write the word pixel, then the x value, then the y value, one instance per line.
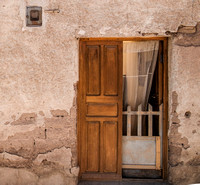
pixel 165 95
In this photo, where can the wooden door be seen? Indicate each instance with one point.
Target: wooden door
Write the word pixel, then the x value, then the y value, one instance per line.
pixel 100 105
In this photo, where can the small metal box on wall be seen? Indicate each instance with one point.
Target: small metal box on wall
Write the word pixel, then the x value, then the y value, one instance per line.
pixel 33 16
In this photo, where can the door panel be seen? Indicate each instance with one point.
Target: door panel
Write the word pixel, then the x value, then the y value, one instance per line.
pixel 110 70
pixel 100 109
pixel 93 70
pixel 93 146
pixel 110 146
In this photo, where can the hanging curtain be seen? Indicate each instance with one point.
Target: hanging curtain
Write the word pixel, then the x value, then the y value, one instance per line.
pixel 139 61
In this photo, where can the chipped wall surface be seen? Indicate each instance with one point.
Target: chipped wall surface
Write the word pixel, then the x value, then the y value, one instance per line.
pixel 39 72
pixel 184 131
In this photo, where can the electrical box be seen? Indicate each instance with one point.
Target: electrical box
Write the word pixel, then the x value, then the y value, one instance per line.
pixel 33 16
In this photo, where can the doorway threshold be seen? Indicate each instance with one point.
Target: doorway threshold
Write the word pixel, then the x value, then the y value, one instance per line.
pixel 127 182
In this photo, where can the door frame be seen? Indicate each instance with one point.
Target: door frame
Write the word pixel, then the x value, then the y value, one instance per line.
pixel 165 96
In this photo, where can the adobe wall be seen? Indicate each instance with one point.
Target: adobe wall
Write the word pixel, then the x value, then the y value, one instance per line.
pixel 184 131
pixel 39 72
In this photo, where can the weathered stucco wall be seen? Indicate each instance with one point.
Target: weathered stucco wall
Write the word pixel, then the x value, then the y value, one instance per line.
pixel 184 131
pixel 39 70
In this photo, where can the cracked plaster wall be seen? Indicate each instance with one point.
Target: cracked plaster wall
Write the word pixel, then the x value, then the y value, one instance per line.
pixel 39 67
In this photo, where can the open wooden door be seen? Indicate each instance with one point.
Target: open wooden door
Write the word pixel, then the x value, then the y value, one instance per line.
pixel 100 109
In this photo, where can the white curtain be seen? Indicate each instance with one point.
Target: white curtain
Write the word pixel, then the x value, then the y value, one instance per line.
pixel 139 61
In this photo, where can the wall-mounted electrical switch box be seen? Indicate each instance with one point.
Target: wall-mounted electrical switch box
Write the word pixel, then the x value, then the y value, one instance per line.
pixel 33 16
